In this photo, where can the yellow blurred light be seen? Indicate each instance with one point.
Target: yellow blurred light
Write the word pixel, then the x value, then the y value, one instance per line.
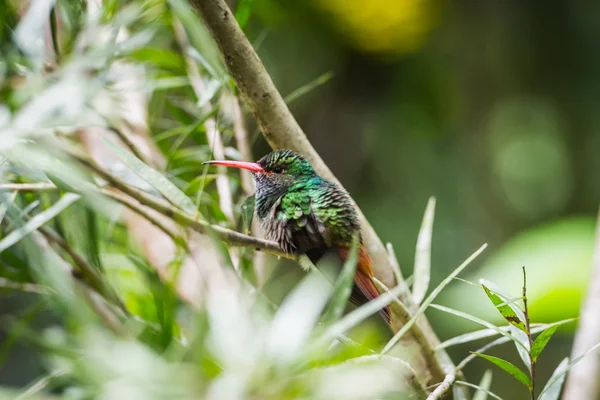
pixel 382 26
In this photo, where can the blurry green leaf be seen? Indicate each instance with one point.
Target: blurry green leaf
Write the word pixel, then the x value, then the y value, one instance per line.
pixel 506 311
pixel 495 396
pixel 343 287
pixel 358 315
pixel 541 341
pixel 523 345
pixel 430 299
pixel 508 367
pixel 554 385
pixel 6 202
pixel 302 90
pixel 248 213
pixel 167 83
pixel 242 12
pixel 38 220
pixel 155 178
pixel 199 37
pixel 477 321
pixel 484 386
pixel 294 321
pixel 484 333
pixel 422 270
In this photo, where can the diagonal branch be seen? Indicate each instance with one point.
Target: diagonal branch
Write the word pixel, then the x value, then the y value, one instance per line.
pixel 281 130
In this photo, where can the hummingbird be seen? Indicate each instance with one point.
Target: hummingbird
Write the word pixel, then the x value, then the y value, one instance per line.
pixel 308 215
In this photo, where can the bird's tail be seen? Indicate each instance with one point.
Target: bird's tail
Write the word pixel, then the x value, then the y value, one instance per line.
pixel 362 279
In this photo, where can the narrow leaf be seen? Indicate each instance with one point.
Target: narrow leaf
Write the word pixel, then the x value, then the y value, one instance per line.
pixel 422 270
pixel 248 213
pixel 523 345
pixel 430 299
pixel 484 386
pixel 358 315
pixel 554 385
pixel 7 200
pixel 343 288
pixel 310 86
pixel 508 367
pixel 461 365
pixel 294 321
pixel 541 341
pixel 154 178
pixel 559 375
pixel 38 220
pixel 506 311
pixel 506 297
pixel 477 321
pixel 495 396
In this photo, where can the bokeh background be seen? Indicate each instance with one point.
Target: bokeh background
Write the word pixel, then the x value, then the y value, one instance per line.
pixel 490 106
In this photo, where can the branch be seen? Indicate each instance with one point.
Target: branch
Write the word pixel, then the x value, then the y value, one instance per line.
pixel 226 235
pixel 281 130
pixel 28 187
pixel 443 388
pixel 277 123
pixel 582 380
pixel 89 273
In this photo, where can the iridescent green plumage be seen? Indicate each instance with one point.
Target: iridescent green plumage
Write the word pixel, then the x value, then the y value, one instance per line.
pixel 308 215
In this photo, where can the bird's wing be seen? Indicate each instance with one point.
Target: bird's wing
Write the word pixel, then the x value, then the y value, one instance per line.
pixel 303 229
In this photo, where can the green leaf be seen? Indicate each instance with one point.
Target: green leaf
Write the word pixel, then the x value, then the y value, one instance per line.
pixel 541 341
pixel 477 321
pixel 430 299
pixel 248 213
pixel 342 288
pixel 6 203
pixel 155 178
pixel 508 367
pixel 506 311
pixel 484 386
pixel 523 347
pixel 554 385
pixel 422 270
pixel 38 220
pixel 310 86
pixel 491 394
pixel 243 11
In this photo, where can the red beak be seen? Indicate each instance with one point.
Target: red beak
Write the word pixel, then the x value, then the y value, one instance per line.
pixel 250 166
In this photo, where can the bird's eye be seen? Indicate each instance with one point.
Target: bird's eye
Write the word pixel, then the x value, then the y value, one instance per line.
pixel 278 170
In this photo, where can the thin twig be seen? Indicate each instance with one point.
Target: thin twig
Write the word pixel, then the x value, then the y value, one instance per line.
pixel 131 145
pixel 442 388
pixel 90 274
pixel 28 187
pixel 226 235
pixel 529 336
pixel 582 380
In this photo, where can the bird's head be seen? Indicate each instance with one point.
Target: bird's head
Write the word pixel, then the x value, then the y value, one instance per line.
pixel 276 172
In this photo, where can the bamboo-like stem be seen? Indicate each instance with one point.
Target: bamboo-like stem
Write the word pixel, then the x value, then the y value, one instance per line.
pixel 582 380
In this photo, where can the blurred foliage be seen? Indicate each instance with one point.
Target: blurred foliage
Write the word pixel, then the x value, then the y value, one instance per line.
pixel 489 106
